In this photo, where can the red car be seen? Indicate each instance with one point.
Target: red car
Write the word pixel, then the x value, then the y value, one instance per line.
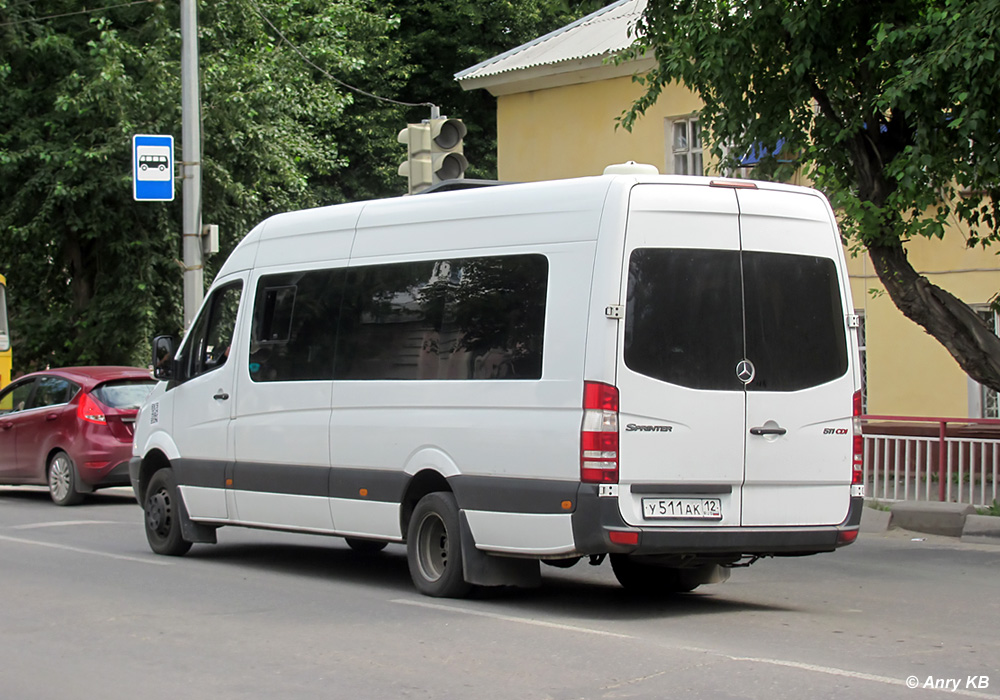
pixel 70 428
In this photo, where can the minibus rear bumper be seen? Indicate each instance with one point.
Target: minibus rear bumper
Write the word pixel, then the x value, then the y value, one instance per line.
pixel 598 528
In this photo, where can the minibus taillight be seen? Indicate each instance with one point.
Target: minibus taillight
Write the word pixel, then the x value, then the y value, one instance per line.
pixel 859 442
pixel 599 434
pixel 89 410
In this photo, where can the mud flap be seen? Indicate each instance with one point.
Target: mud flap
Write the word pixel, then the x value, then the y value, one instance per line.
pixel 482 569
pixel 195 532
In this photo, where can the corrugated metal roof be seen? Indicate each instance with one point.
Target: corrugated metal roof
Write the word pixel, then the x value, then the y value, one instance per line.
pixel 602 33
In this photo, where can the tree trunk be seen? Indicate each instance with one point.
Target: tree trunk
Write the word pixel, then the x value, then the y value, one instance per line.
pixel 948 319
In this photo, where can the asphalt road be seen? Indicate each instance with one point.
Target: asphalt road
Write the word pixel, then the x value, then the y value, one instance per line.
pixel 87 611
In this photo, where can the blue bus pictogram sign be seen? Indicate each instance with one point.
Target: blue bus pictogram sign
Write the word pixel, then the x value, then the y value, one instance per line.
pixel 153 168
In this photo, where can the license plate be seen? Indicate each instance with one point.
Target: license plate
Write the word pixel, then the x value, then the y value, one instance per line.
pixel 682 508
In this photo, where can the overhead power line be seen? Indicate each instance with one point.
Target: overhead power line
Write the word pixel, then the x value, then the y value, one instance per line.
pixel 327 73
pixel 78 12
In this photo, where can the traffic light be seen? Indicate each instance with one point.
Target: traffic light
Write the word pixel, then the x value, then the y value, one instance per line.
pixel 447 156
pixel 417 166
pixel 434 152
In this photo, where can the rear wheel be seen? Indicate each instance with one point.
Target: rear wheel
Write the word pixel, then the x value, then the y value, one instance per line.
pixel 434 547
pixel 365 546
pixel 650 579
pixel 62 480
pixel 162 515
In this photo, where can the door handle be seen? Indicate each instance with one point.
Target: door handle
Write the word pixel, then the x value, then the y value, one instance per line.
pixel 52 416
pixel 767 431
pixel 221 396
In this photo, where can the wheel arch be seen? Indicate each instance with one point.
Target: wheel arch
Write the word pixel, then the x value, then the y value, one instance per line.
pixel 420 484
pixel 154 461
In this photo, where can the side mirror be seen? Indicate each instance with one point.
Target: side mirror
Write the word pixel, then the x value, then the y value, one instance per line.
pixel 164 347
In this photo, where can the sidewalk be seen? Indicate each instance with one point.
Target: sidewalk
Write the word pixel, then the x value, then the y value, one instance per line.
pixel 947 519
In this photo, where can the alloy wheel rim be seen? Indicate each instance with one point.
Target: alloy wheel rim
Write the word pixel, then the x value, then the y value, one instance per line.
pixel 59 478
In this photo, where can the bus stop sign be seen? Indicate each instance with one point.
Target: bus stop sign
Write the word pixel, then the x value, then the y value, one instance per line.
pixel 153 168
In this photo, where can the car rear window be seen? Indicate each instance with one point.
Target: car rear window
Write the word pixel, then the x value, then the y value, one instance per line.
pixel 685 321
pixel 125 393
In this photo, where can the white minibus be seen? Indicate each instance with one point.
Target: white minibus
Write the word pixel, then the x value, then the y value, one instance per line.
pixel 660 370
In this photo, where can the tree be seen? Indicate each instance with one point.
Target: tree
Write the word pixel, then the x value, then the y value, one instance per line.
pixel 92 274
pixel 892 108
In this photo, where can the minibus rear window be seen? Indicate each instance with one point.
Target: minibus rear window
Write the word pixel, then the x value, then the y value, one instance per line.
pixel 684 321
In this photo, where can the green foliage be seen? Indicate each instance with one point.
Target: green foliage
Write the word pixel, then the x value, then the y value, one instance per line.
pixel 893 108
pixel 92 275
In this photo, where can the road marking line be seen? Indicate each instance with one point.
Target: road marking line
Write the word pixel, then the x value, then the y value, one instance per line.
pixel 510 618
pixel 80 550
pixel 829 670
pixel 60 523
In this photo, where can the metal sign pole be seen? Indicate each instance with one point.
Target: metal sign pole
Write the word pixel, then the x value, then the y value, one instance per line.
pixel 194 284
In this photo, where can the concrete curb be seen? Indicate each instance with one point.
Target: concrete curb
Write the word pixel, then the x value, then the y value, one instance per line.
pixel 948 519
pixel 981 529
pixel 933 518
pixel 875 520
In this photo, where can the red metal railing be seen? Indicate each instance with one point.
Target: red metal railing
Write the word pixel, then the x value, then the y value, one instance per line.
pixel 904 455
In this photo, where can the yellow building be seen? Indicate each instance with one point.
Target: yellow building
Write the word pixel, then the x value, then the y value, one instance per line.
pixel 558 98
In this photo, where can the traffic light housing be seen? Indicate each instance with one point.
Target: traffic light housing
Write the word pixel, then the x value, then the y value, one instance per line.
pixel 434 152
pixel 417 166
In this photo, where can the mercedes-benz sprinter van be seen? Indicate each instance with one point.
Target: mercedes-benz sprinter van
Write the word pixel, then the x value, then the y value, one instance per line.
pixel 657 368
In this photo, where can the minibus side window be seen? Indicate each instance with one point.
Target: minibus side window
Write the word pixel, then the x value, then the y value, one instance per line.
pixel 294 328
pixel 450 319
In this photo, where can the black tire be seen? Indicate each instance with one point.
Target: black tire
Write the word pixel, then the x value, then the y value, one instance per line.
pixel 62 480
pixel 161 509
pixel 365 546
pixel 434 547
pixel 649 579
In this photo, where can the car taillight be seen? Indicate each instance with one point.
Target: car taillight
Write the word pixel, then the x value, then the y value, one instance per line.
pixel 91 411
pixel 859 442
pixel 599 434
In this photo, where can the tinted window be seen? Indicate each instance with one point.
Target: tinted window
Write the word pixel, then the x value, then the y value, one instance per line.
pixel 295 325
pixel 53 391
pixel 684 322
pixel 127 393
pixel 684 317
pixel 795 321
pixel 472 318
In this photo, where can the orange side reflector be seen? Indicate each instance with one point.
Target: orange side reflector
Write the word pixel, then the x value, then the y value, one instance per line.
pixel 567 505
pixel 363 492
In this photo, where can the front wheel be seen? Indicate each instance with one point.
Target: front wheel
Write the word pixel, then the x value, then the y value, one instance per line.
pixel 62 480
pixel 434 547
pixel 162 515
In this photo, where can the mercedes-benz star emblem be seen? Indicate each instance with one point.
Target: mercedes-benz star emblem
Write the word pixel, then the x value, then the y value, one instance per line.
pixel 745 371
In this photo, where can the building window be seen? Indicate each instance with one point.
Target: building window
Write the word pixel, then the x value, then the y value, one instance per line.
pixel 989 400
pixel 685 157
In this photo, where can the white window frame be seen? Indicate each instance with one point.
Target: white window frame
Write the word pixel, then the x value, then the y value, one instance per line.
pixel 983 401
pixel 688 150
